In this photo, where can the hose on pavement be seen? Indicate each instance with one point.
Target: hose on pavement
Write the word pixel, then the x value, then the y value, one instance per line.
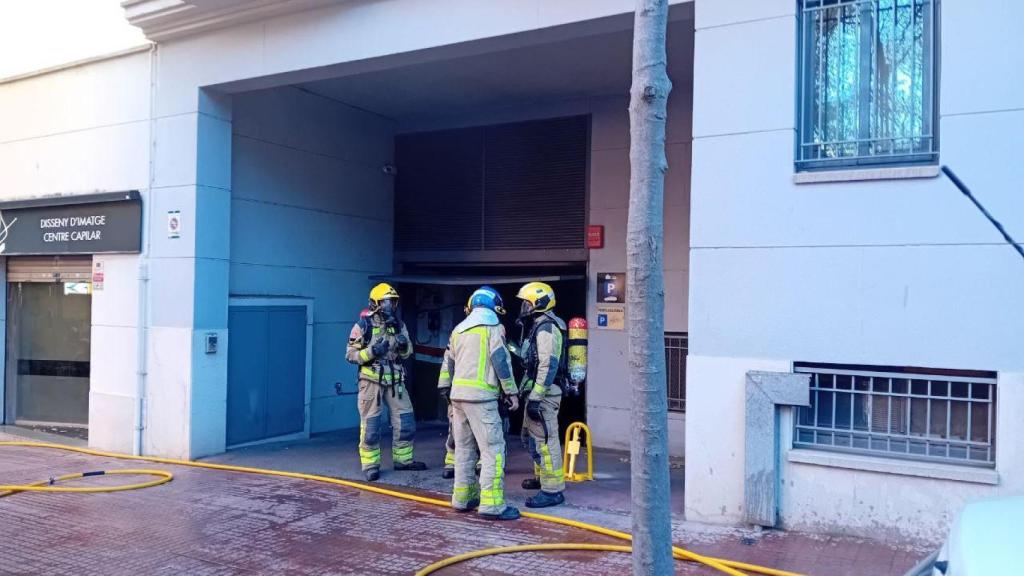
pixel 49 484
pixel 730 567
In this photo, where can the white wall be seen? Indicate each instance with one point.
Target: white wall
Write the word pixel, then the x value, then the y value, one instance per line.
pixel 898 272
pixel 81 130
pixel 311 214
pixel 608 398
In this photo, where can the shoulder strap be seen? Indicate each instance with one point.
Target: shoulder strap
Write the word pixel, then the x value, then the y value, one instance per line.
pixel 563 360
pixel 367 329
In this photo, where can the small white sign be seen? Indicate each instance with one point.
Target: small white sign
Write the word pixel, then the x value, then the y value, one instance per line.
pixel 71 288
pixel 174 224
pixel 611 317
pixel 97 276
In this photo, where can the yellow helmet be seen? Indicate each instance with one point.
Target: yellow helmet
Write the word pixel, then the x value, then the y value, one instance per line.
pixel 537 297
pixel 381 293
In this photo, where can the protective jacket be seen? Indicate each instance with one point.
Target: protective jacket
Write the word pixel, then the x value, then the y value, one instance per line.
pixel 388 369
pixel 477 365
pixel 543 353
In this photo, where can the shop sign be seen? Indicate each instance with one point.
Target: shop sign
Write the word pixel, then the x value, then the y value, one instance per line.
pixel 90 224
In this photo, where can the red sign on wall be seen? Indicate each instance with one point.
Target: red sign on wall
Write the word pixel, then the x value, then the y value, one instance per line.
pixel 595 236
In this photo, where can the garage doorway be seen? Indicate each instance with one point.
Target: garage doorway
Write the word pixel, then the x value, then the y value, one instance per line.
pixel 49 325
pixel 433 304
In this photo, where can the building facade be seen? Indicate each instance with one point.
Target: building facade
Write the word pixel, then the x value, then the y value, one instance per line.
pixel 287 155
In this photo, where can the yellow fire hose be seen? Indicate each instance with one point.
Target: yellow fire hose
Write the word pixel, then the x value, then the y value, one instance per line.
pixel 48 485
pixel 730 567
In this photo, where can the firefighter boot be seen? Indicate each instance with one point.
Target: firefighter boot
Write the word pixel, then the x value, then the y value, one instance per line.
pixel 413 465
pixel 372 474
pixel 510 513
pixel 531 483
pixel 544 499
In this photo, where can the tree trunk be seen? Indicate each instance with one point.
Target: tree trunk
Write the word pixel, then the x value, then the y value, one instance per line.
pixel 645 292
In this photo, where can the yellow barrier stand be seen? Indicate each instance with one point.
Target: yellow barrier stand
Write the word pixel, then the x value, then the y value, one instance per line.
pixel 572 450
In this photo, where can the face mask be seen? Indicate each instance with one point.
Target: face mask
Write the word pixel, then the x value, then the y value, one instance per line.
pixel 525 309
pixel 389 307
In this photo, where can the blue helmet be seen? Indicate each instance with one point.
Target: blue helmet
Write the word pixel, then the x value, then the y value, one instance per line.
pixel 485 297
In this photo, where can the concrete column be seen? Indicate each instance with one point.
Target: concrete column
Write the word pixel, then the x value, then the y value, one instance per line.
pixel 186 388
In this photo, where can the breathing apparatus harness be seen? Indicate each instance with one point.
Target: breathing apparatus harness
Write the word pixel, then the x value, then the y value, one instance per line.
pixel 391 326
pixel 531 363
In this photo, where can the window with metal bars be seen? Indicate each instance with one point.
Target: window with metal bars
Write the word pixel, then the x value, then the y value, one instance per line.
pixel 676 347
pixel 867 83
pixel 921 414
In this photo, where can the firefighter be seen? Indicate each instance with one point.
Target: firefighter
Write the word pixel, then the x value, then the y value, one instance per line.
pixel 448 472
pixel 475 371
pixel 377 344
pixel 543 360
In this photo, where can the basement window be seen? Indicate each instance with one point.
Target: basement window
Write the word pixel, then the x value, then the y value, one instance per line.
pixel 676 347
pixel 936 415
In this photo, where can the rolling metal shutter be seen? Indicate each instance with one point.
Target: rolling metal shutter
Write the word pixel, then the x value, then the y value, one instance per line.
pixel 49 269
pixel 439 191
pixel 505 187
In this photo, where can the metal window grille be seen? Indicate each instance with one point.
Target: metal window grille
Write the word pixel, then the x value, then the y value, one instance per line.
pixel 944 416
pixel 676 347
pixel 867 83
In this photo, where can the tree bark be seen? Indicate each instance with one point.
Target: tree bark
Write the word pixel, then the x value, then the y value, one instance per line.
pixel 645 293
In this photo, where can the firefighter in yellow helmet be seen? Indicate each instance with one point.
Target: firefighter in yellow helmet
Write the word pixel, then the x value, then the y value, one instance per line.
pixel 377 344
pixel 543 355
pixel 475 371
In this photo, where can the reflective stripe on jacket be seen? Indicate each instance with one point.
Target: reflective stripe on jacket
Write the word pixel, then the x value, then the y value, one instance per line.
pixel 477 365
pixel 387 370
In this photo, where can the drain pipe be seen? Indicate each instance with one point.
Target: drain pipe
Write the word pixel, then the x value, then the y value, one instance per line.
pixel 142 335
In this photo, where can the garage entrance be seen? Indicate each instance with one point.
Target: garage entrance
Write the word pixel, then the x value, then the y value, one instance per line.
pixel 446 169
pixel 433 305
pixel 499 205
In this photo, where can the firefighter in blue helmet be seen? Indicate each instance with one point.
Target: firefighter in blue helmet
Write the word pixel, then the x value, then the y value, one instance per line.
pixel 543 359
pixel 476 370
pixel 378 344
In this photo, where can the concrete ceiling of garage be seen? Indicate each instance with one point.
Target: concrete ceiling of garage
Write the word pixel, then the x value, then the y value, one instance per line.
pixel 596 65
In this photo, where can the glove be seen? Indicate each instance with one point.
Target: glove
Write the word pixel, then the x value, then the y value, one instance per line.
pixel 513 403
pixel 445 394
pixel 402 340
pixel 533 411
pixel 380 348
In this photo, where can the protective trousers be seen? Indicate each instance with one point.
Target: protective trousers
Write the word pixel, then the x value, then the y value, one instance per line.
pixel 545 447
pixel 372 397
pixel 478 434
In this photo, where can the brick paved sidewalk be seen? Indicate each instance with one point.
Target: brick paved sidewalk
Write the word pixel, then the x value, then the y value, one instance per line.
pixel 212 522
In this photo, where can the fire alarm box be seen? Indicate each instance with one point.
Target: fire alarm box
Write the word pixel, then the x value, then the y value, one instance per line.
pixel 595 236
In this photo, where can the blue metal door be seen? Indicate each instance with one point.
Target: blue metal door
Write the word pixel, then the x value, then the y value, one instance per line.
pixel 266 372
